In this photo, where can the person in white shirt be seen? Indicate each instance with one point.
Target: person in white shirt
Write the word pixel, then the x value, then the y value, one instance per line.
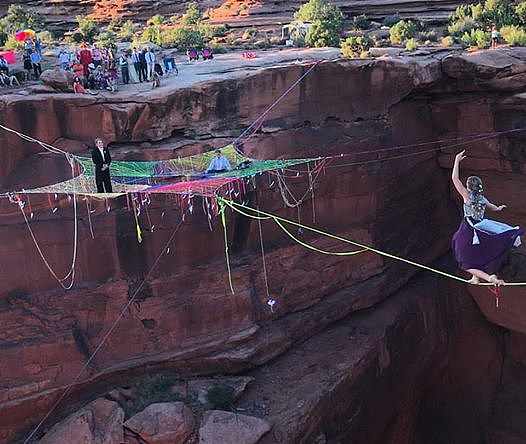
pixel 150 63
pixel 219 164
pixel 63 58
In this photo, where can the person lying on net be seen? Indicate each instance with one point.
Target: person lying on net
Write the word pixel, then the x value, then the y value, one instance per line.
pixel 219 164
pixel 480 244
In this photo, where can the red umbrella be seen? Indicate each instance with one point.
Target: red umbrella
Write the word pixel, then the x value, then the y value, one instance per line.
pixel 20 36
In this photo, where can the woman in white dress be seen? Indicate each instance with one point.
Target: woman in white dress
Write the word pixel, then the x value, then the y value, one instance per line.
pixel 134 77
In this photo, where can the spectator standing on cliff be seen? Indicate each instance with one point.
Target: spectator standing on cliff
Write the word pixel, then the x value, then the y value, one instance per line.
pixel 36 60
pixel 96 55
pixel 136 58
pixel 142 57
pixel 85 58
pixel 28 66
pixel 150 63
pixel 102 159
pixel 494 37
pixel 125 72
pixel 63 58
pixel 218 164
pixel 480 244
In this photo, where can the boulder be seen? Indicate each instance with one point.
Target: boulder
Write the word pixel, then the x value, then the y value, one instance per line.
pixel 99 422
pixel 162 423
pixel 58 79
pixel 219 427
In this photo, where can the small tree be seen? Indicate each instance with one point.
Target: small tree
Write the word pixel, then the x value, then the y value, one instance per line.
pixel 20 17
pixel 88 28
pixel 184 38
pixel 327 22
pixel 192 16
pixel 520 11
pixel 402 31
pixel 476 37
pixel 356 45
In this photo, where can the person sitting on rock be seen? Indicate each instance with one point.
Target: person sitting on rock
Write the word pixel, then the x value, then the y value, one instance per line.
pixel 156 80
pixel 218 164
pixel 207 54
pixel 3 65
pixel 6 79
pixel 480 244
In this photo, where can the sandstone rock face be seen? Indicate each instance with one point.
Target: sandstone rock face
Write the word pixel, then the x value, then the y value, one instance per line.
pixel 235 12
pixel 100 422
pixel 185 318
pixel 219 427
pixel 163 423
pixel 58 79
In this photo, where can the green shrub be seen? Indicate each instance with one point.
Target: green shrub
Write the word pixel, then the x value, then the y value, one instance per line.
pixel 192 16
pixel 354 46
pixel 402 31
pixel 500 13
pixel 360 22
pixel 391 20
pixel 221 397
pixel 153 33
pixel 218 49
pixel 447 41
pixel 411 44
pixel 11 43
pixel 476 37
pixel 428 36
pixel 520 11
pixel 327 22
pixel 461 26
pixel 514 35
pixel 249 33
pixel 183 38
pixel 20 17
pixel 106 38
pixel 127 30
pixel 88 28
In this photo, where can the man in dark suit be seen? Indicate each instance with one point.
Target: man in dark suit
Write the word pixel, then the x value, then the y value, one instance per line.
pixel 101 158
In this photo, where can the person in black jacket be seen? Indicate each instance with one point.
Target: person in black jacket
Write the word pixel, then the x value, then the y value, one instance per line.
pixel 102 159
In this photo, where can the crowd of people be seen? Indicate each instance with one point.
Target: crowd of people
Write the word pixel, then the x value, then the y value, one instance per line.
pixel 97 67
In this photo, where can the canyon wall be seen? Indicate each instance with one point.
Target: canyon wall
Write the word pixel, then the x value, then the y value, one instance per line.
pixel 237 13
pixel 185 318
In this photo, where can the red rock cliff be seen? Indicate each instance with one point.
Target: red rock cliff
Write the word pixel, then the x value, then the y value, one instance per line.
pixel 188 321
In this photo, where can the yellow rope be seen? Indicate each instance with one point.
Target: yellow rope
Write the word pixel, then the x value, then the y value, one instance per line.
pixel 222 210
pixel 237 207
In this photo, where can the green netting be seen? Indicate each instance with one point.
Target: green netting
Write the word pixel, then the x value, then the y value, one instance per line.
pixel 181 175
pixel 184 166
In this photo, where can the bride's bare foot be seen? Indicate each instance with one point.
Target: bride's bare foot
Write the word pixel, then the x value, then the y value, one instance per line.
pixel 495 280
pixel 474 280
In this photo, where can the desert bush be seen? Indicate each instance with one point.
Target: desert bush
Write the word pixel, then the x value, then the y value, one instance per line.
pixel 476 37
pixel 391 20
pixel 411 44
pixel 220 397
pixel 447 41
pixel 520 12
pixel 402 31
pixel 461 26
pixel 360 22
pixel 514 35
pixel 355 45
pixel 428 36
pixel 327 22
pixel 192 16
pixel 88 28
